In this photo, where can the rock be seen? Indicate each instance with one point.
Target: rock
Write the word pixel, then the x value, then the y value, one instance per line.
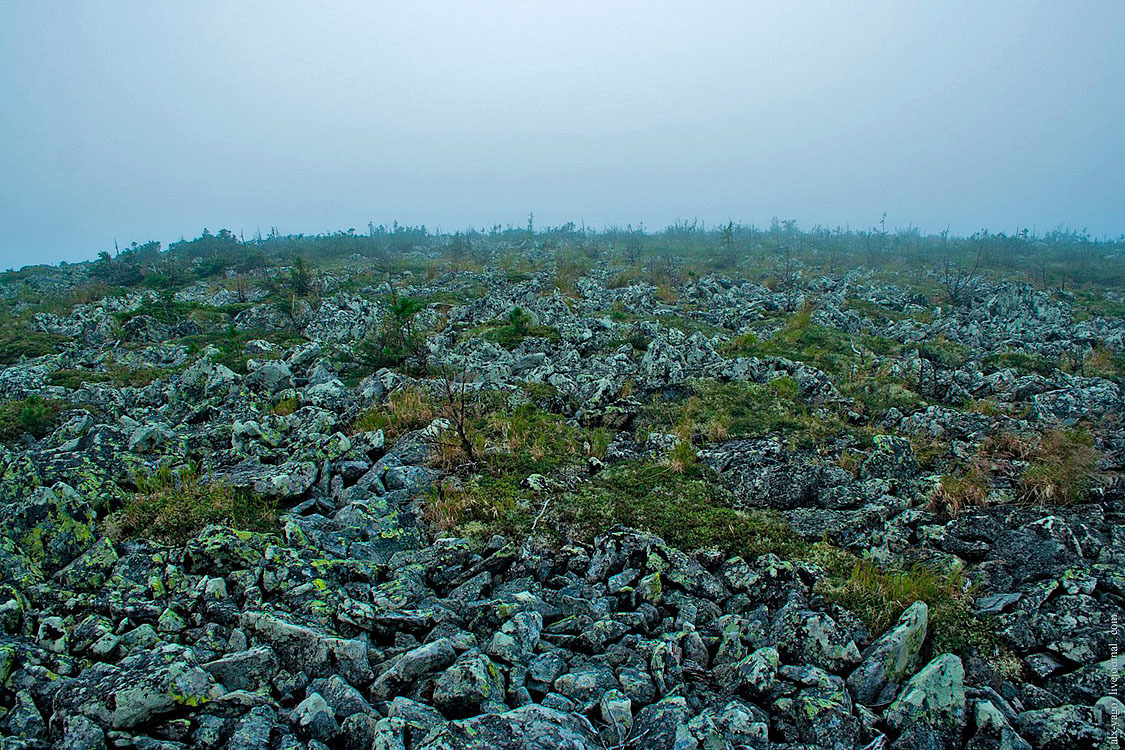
pixel 807 637
pixel 934 697
pixel 516 641
pixel 315 717
pixel 253 730
pixel 247 670
pixel 147 438
pixel 412 665
pixel 472 680
pixel 664 726
pixel 753 676
pixel 892 657
pixel 137 689
pixel 586 683
pixel 993 730
pixel 304 649
pixel 270 377
pixel 1062 727
pixel 734 724
pixel 24 720
pixel 79 733
pixel 50 528
pixel 820 712
pixel 530 727
pixel 617 714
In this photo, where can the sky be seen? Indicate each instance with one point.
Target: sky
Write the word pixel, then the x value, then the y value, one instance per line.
pixel 130 121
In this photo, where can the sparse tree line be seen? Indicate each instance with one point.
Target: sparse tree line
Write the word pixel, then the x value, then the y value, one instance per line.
pixel 782 253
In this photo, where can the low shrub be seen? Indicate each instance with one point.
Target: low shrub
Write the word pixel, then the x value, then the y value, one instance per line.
pixel 18 343
pixel 515 328
pixel 717 411
pixel 286 406
pixel 1022 362
pixel 119 376
pixel 879 596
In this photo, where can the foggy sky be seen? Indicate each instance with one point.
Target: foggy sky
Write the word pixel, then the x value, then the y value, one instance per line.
pixel 140 120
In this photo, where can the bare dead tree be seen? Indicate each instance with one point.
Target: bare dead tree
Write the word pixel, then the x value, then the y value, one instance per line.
pixel 787 272
pixel 958 281
pixel 242 287
pixel 458 410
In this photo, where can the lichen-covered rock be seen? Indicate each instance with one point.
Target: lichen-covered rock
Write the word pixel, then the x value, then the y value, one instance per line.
pixel 891 658
pixel 531 727
pixel 138 689
pixel 803 636
pixel 934 697
pixel 315 653
pixel 50 528
pixel 471 681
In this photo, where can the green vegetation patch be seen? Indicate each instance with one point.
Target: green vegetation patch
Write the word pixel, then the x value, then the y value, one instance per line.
pixel 944 352
pixel 1065 467
pixel 800 340
pixel 1024 363
pixel 880 595
pixel 116 375
pixel 875 395
pixel 175 505
pixel 687 508
pixel 18 343
pixel 874 311
pixel 513 330
pixel 405 410
pixel 33 415
pixel 718 411
pixel 691 326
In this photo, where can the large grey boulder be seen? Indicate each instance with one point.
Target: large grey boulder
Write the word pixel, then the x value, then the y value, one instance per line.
pixel 316 653
pixel 270 377
pixel 471 681
pixel 140 688
pixel 892 657
pixel 531 727
pixel 935 699
pixel 413 665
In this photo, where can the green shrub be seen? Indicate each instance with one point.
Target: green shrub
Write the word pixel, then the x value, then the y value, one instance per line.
pixel 1100 362
pixel 802 341
pixel 286 406
pixel 33 415
pixel 690 326
pixel 394 342
pixel 967 488
pixel 174 506
pixel 479 507
pixel 874 311
pixel 515 328
pixel 944 353
pixel 875 395
pixel 715 411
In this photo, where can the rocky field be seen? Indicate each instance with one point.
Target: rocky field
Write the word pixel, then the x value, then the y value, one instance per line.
pixel 548 502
